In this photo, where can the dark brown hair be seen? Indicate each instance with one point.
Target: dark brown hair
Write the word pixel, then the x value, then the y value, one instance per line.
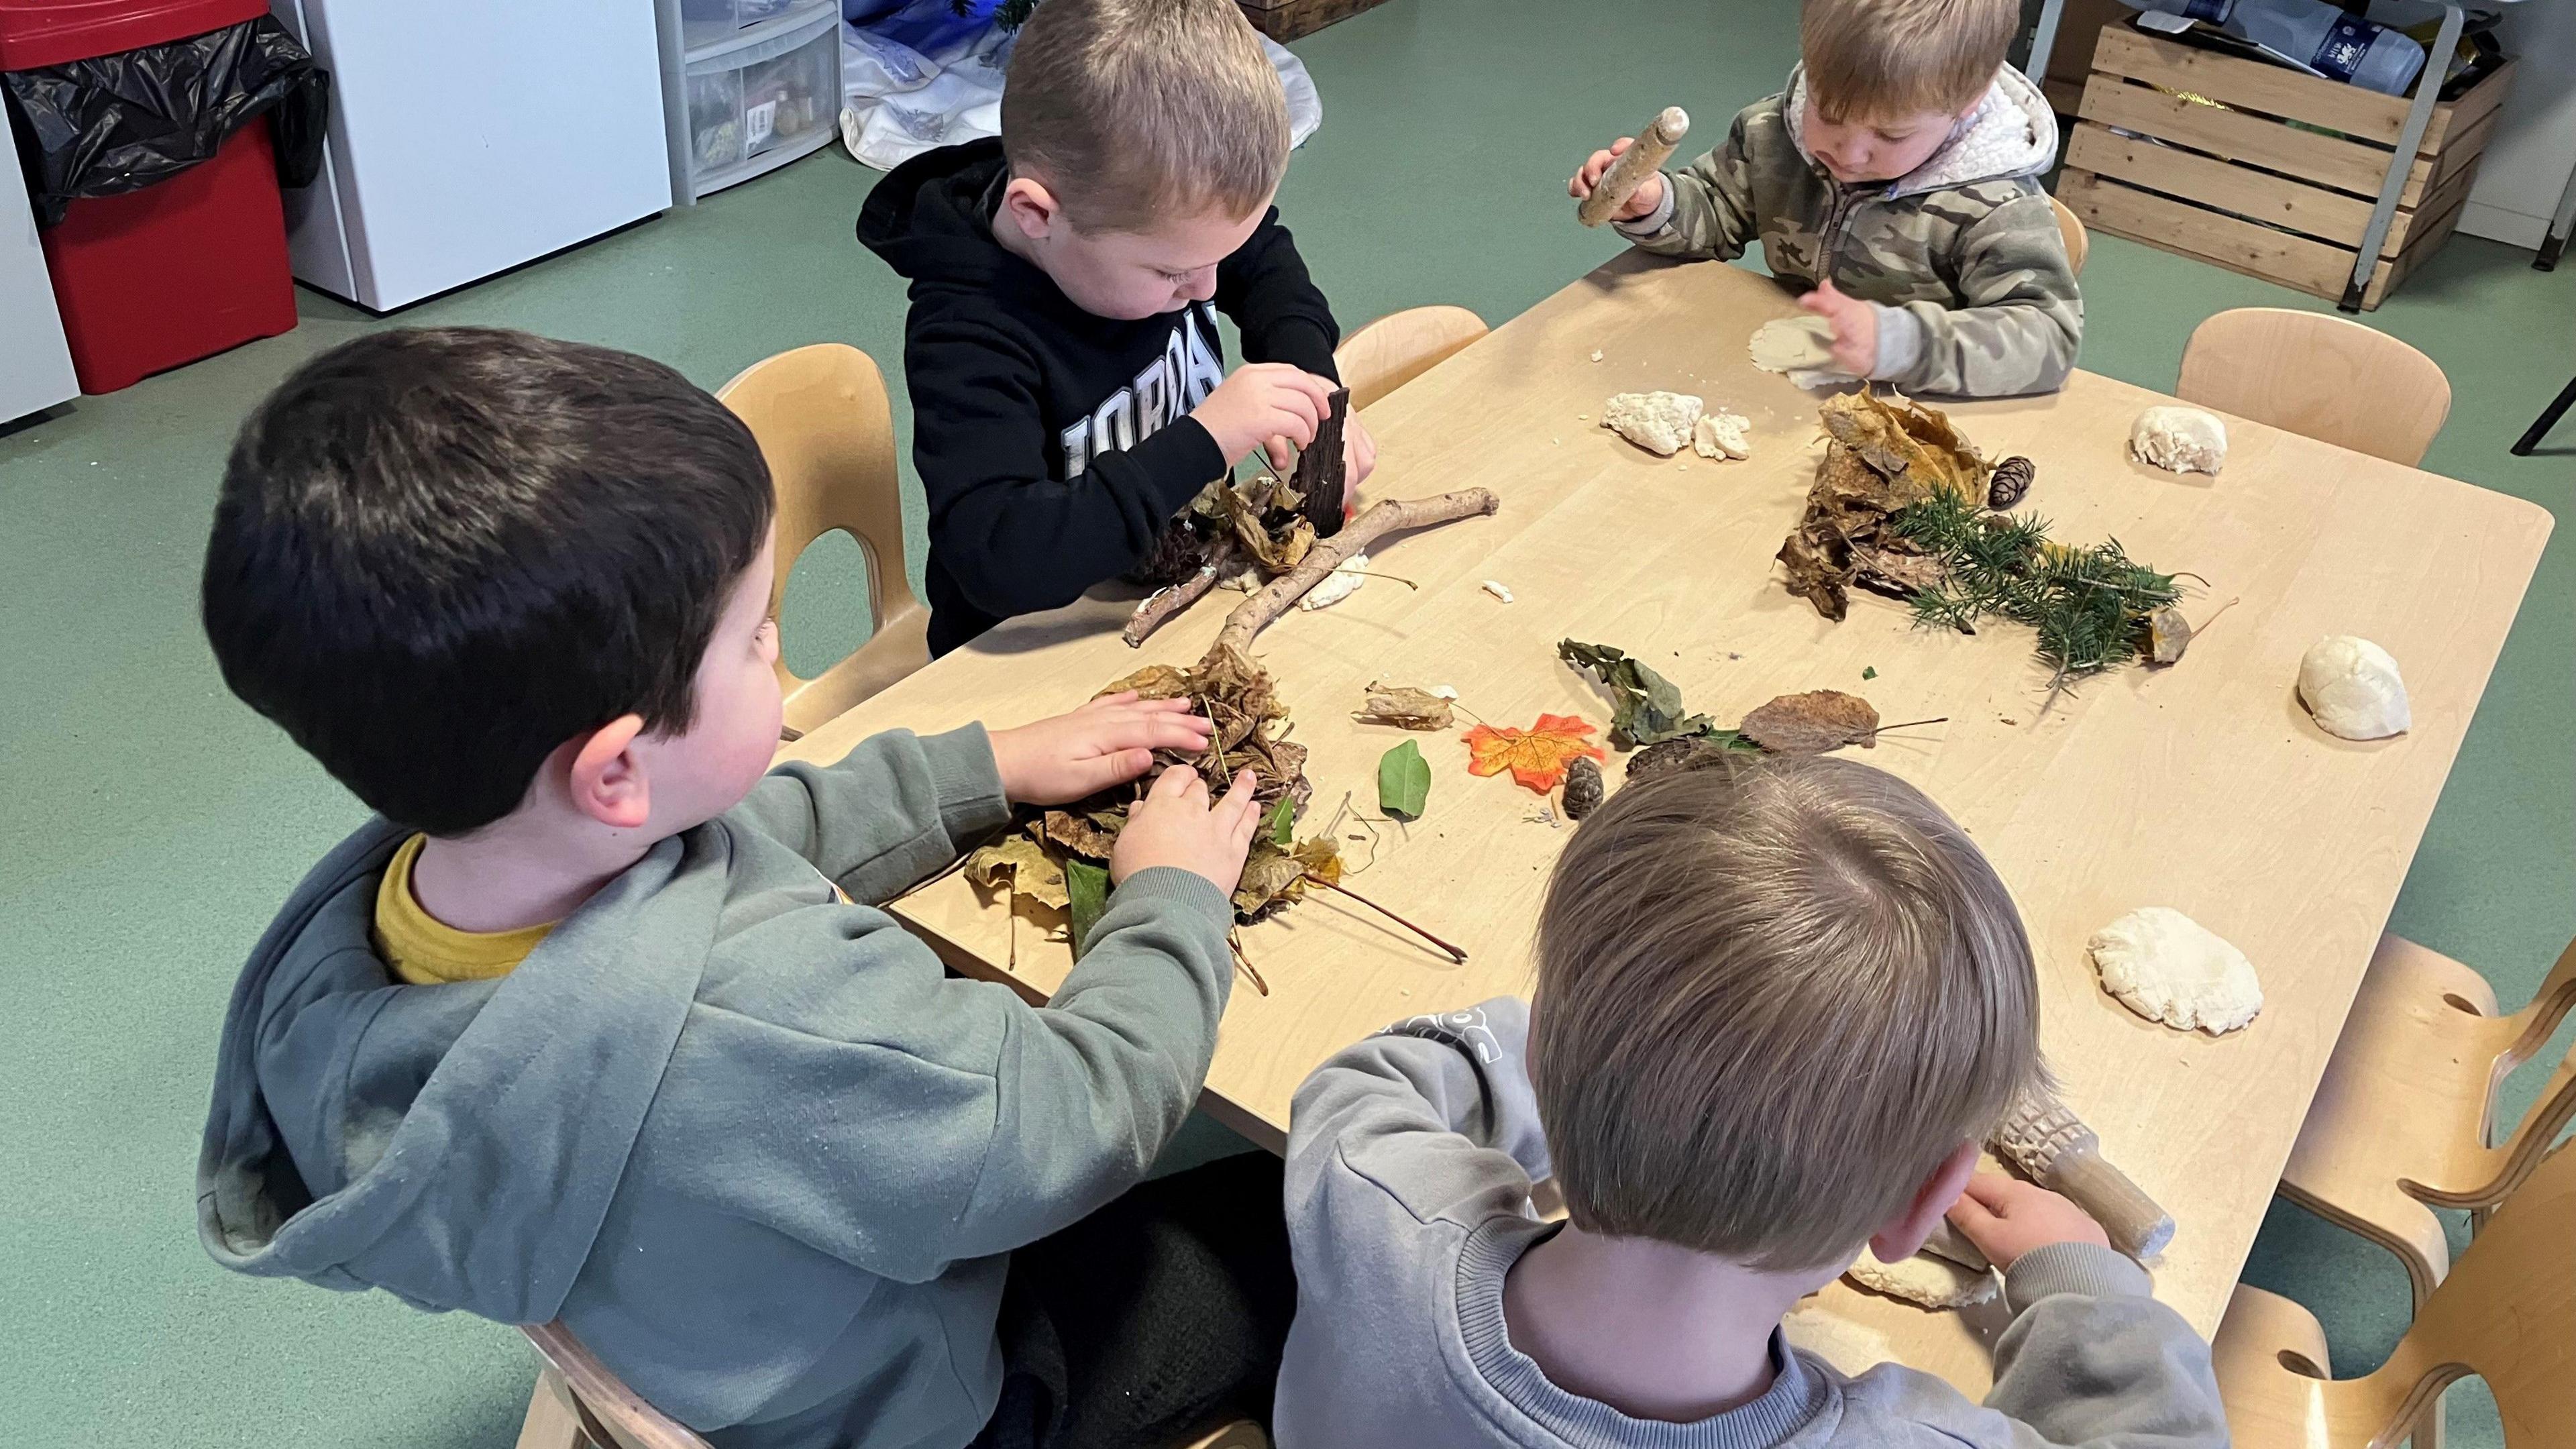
pixel 441 553
pixel 1771 998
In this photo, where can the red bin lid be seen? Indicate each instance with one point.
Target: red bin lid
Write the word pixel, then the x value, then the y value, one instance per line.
pixel 56 32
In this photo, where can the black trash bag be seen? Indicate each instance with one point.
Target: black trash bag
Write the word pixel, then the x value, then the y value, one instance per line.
pixel 122 122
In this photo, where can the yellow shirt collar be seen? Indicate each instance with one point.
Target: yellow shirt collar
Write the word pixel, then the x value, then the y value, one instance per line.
pixel 424 950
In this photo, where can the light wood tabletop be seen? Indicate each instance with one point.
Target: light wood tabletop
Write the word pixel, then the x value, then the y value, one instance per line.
pixel 2204 786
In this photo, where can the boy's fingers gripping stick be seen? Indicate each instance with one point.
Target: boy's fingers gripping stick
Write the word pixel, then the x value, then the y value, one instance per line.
pixel 1654 147
pixel 2044 1138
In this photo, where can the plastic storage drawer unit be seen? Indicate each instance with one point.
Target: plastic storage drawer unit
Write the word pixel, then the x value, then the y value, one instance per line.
pixel 712 22
pixel 764 101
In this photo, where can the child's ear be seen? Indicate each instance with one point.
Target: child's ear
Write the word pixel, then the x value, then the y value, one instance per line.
pixel 1902 1237
pixel 1031 207
pixel 607 778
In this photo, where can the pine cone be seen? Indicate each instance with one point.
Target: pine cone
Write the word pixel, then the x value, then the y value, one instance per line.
pixel 2011 482
pixel 1582 788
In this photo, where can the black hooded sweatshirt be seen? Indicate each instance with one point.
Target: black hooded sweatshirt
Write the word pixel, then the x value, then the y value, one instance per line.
pixel 1054 445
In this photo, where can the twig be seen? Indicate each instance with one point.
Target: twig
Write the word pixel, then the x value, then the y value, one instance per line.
pixel 1244 961
pixel 1159 606
pixel 1255 613
pixel 1909 724
pixel 1454 952
pixel 2213 618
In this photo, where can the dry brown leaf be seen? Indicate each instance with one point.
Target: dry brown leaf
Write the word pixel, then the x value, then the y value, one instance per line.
pixel 1083 835
pixel 1812 723
pixel 1154 681
pixel 1405 708
pixel 1279 552
pixel 1900 575
pixel 1021 865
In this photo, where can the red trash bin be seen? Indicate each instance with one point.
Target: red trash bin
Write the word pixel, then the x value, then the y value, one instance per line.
pixel 179 270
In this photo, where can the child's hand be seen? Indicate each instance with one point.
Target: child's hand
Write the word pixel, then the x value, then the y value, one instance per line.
pixel 1107 742
pixel 1855 327
pixel 1174 825
pixel 1261 402
pixel 2007 1217
pixel 1640 203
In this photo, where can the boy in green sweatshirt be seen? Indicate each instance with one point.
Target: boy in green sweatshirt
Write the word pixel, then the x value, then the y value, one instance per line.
pixel 1778 1006
pixel 598 1021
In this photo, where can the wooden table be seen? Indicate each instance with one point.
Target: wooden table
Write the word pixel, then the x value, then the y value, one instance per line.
pixel 2204 787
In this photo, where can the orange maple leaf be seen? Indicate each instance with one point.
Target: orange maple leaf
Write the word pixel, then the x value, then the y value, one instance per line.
pixel 1537 758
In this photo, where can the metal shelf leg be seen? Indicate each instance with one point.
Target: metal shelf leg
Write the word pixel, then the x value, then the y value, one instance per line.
pixel 2428 89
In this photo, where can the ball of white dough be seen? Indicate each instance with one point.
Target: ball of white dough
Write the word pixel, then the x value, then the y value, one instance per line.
pixel 2352 688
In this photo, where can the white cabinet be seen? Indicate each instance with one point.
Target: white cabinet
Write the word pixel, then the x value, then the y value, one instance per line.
pixel 35 365
pixel 470 136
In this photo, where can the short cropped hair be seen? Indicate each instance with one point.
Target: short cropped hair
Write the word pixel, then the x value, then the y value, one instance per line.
pixel 441 553
pixel 1771 998
pixel 1132 111
pixel 1871 59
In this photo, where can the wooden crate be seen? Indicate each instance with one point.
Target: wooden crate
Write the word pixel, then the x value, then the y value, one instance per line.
pixel 1289 19
pixel 2276 180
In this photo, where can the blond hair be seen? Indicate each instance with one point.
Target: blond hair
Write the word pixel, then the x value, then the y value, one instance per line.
pixel 1132 111
pixel 1771 998
pixel 1877 59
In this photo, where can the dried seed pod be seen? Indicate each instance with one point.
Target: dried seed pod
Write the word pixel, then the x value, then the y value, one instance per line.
pixel 2011 481
pixel 1582 788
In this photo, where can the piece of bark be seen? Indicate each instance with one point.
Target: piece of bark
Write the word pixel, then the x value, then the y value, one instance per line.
pixel 1321 472
pixel 1392 516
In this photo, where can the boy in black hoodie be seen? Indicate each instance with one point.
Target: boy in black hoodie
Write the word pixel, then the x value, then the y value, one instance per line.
pixel 1068 385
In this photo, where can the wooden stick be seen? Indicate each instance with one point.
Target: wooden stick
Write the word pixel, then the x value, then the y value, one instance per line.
pixel 1455 953
pixel 1392 516
pixel 1245 962
pixel 1160 605
pixel 1652 148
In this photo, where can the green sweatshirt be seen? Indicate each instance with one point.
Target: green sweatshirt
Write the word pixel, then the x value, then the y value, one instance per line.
pixel 754 1146
pixel 1961 257
pixel 1410 1162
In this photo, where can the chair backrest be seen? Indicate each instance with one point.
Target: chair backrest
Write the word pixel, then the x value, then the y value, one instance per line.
pixel 2494 1172
pixel 825 426
pixel 2507 1313
pixel 1401 346
pixel 612 1415
pixel 2321 376
pixel 2070 227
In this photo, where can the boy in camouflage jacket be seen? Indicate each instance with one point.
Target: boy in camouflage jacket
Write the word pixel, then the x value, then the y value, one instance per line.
pixel 1895 181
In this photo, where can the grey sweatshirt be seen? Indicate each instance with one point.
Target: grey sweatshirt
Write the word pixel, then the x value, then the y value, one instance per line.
pixel 750 1143
pixel 1410 1161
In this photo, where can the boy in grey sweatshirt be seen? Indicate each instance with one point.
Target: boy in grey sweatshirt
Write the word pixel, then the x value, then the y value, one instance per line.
pixel 1777 1007
pixel 597 1020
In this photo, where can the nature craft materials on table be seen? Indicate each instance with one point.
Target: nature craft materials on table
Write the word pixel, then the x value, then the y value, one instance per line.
pixel 2224 798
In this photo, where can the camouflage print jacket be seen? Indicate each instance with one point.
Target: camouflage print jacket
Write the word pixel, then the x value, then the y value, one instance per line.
pixel 1962 255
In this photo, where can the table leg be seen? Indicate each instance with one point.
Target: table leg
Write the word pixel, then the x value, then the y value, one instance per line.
pixel 2428 89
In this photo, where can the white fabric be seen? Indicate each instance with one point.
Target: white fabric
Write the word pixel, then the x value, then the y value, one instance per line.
pixel 899 102
pixel 2012 132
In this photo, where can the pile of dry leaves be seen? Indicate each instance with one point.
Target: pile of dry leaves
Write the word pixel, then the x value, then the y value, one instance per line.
pixel 1044 856
pixel 1881 458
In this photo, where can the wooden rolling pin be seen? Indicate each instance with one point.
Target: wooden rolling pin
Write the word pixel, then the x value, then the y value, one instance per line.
pixel 2042 1137
pixel 1653 147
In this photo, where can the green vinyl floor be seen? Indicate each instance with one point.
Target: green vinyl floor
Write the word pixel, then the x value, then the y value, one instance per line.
pixel 153 823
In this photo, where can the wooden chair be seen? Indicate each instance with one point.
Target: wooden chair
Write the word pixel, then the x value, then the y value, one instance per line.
pixel 2318 375
pixel 2403 1119
pixel 823 422
pixel 1401 346
pixel 2079 243
pixel 2507 1314
pixel 579 1404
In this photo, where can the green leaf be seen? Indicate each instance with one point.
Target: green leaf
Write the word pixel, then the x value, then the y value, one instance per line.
pixel 1403 781
pixel 1281 823
pixel 1645 707
pixel 1869 672
pixel 1087 887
